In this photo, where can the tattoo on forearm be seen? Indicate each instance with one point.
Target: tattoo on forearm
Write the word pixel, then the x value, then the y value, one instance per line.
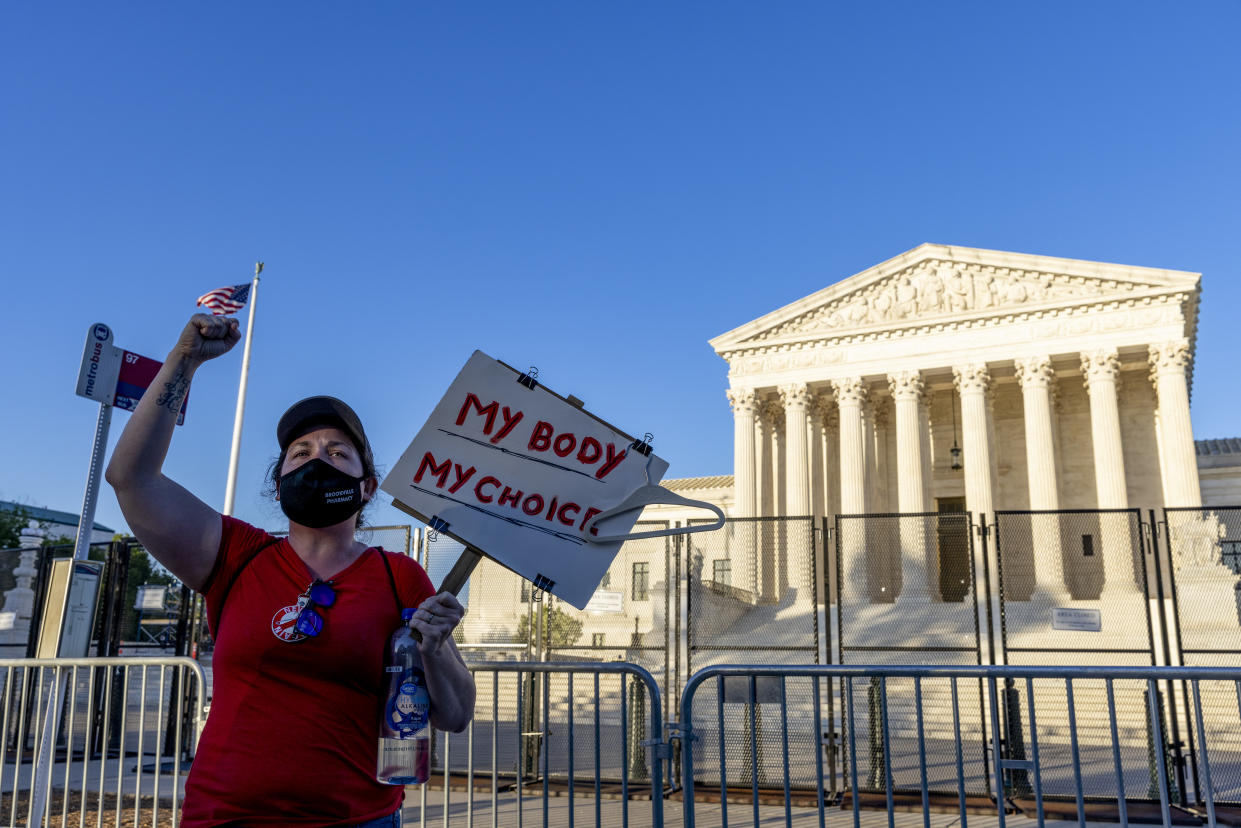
pixel 174 392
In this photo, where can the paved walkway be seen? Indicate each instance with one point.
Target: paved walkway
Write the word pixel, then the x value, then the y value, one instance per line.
pixel 611 814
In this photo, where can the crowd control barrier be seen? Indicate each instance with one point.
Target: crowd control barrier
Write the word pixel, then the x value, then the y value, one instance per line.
pixel 887 751
pixel 97 739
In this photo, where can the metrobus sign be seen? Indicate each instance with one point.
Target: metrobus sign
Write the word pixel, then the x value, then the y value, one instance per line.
pixel 114 376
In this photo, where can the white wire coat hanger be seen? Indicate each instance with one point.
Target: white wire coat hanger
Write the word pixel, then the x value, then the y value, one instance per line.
pixel 648 495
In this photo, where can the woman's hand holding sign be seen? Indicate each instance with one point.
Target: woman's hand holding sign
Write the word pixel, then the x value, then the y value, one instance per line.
pixel 435 620
pixel 448 679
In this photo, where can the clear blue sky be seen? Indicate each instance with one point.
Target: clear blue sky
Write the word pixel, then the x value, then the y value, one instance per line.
pixel 594 189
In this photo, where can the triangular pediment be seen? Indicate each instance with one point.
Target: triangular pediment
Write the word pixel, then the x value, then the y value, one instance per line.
pixel 936 283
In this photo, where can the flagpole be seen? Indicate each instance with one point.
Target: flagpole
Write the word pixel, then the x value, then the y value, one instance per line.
pixel 230 490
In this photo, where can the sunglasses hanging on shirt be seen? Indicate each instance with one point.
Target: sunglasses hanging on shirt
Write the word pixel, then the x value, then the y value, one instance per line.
pixel 318 594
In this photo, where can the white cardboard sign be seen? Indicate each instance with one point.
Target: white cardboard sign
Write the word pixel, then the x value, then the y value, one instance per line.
pixel 515 471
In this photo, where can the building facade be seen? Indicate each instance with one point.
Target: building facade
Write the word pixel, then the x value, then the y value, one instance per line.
pixel 929 393
pixel 1065 384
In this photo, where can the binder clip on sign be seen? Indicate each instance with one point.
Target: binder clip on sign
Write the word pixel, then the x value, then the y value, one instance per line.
pixel 531 479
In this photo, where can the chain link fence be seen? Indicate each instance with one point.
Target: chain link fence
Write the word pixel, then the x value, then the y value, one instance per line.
pixel 1075 590
pixel 907 593
pixel 752 598
pixel 1203 559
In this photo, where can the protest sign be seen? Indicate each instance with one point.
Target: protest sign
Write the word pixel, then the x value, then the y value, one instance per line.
pixel 519 473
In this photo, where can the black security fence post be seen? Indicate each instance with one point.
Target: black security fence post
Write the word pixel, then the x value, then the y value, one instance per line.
pixel 877 778
pixel 637 732
pixel 1152 791
pixel 1018 779
pixel 176 690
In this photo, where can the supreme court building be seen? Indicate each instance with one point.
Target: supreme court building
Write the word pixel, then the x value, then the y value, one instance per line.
pixel 950 380
pixel 1064 383
pixel 950 452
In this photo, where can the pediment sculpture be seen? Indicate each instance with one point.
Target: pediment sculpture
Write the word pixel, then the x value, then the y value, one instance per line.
pixel 943 288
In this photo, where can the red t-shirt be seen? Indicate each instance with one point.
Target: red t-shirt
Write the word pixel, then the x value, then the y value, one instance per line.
pixel 292 734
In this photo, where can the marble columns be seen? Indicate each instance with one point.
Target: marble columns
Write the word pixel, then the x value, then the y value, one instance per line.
pixel 796 399
pixel 908 390
pixel 744 402
pixel 744 555
pixel 1035 375
pixel 850 395
pixel 1169 362
pixel 1100 371
pixel 773 459
pixel 1037 379
pixel 972 383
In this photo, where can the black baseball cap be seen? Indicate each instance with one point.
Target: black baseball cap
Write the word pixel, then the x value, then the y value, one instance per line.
pixel 318 412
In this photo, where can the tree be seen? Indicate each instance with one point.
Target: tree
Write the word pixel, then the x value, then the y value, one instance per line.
pixel 11 526
pixel 562 630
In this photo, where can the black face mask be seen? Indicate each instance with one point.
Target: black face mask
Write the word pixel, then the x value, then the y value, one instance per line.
pixel 317 494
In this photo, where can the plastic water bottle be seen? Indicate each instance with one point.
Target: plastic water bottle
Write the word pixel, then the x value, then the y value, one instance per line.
pixel 405 723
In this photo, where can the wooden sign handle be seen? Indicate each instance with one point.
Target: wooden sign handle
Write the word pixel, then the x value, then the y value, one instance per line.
pixel 455 580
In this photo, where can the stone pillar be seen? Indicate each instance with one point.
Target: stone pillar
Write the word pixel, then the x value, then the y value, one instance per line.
pixel 1036 377
pixel 850 395
pixel 928 460
pixel 1037 380
pixel 817 448
pixel 20 599
pixel 796 544
pixel 796 399
pixel 831 455
pixel 771 552
pixel 972 383
pixel 744 402
pixel 860 579
pixel 744 552
pixel 767 464
pixel 829 437
pixel 871 428
pixel 917 551
pixel 907 390
pixel 1169 365
pixel 1101 371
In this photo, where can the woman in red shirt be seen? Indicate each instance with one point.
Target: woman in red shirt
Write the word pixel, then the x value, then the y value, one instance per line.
pixel 300 623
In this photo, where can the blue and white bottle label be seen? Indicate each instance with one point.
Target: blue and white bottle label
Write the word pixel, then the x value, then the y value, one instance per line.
pixel 409 708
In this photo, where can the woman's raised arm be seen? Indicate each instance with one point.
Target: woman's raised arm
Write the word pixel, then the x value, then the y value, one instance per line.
pixel 177 528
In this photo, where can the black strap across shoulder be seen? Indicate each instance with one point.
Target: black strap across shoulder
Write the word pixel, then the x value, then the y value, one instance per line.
pixel 396 596
pixel 236 572
pixel 383 556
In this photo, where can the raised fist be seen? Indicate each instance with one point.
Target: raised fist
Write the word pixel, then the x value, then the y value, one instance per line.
pixel 207 337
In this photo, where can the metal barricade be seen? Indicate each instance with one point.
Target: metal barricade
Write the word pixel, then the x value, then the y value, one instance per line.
pixel 97 736
pixel 1064 769
pixel 567 743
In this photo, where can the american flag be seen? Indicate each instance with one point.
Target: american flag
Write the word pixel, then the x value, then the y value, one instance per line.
pixel 225 300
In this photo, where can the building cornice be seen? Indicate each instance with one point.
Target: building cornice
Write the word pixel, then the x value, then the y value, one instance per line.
pixel 907 296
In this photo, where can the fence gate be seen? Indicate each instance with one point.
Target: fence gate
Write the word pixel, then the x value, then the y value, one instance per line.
pixel 751 598
pixel 1202 591
pixel 1076 589
pixel 907 592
